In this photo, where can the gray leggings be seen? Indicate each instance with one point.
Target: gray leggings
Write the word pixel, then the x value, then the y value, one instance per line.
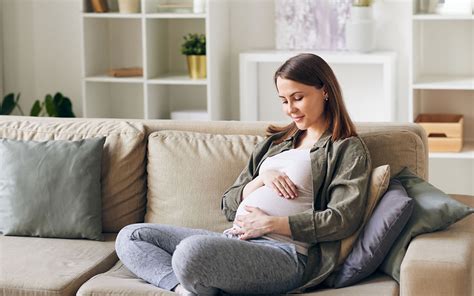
pixel 206 262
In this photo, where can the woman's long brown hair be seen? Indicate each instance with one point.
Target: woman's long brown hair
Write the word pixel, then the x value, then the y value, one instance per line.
pixel 312 70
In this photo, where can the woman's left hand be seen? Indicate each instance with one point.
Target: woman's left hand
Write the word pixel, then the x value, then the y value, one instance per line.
pixel 254 224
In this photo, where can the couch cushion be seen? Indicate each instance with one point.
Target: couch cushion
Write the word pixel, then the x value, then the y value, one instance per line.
pixel 54 191
pixel 123 160
pixel 119 281
pixel 188 173
pixel 376 285
pixel 397 148
pixel 46 266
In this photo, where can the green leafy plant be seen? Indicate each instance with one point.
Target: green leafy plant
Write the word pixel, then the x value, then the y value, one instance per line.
pixel 9 103
pixel 194 44
pixel 362 2
pixel 57 106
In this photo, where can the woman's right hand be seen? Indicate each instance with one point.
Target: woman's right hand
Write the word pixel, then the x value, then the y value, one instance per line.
pixel 279 182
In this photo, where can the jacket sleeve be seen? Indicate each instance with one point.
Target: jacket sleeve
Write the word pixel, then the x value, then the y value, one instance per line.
pixel 346 194
pixel 233 196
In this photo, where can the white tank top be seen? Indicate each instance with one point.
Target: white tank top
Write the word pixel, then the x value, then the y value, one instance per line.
pixel 296 164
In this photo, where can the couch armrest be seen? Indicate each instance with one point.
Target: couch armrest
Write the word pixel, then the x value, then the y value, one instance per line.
pixel 441 263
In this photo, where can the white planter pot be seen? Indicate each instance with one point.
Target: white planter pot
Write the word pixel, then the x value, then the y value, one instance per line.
pixel 360 30
pixel 129 6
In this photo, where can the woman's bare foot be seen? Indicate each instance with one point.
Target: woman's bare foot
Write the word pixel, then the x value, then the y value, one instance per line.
pixel 180 290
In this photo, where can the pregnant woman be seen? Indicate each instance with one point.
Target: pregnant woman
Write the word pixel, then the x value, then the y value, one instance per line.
pixel 303 190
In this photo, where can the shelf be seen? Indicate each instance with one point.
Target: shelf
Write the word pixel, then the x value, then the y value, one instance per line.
pixel 442 17
pixel 104 78
pixel 113 15
pixel 444 82
pixel 176 79
pixel 176 15
pixel 466 153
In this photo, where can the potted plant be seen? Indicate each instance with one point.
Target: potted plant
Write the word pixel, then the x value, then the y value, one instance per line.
pixel 194 47
pixel 360 28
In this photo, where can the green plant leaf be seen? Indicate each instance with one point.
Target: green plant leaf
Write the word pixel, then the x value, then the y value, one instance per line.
pixel 8 104
pixel 50 106
pixel 36 109
pixel 65 108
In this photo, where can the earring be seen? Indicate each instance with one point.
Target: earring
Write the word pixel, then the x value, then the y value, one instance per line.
pixel 326 97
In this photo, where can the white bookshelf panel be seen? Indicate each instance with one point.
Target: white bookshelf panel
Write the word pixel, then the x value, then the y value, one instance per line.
pixel 447 101
pixel 176 79
pixel 111 43
pixel 112 15
pixel 440 17
pixel 164 99
pixel 114 100
pixel 444 82
pixel 443 48
pixel 164 40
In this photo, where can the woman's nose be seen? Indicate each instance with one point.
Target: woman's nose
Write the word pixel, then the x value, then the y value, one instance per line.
pixel 291 107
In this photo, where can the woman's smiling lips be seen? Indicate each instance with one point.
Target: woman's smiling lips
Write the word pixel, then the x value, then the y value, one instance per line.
pixel 297 118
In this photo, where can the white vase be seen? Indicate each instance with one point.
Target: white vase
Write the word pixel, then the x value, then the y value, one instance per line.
pixel 129 6
pixel 360 30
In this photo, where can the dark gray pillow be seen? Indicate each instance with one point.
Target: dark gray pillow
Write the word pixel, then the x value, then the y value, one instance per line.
pixel 379 234
pixel 434 210
pixel 51 189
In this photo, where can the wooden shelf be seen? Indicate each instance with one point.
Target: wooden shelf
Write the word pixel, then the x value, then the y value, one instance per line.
pixel 113 15
pixel 105 78
pixel 444 82
pixel 466 153
pixel 442 17
pixel 176 79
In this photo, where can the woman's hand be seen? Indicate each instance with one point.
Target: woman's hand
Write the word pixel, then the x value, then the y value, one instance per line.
pixel 280 182
pixel 254 224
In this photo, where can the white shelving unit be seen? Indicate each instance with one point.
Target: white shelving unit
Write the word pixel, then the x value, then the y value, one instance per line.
pixel 152 40
pixel 442 81
pixel 375 71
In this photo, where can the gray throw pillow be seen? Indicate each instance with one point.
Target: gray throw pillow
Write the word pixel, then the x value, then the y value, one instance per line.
pixel 434 210
pixel 377 237
pixel 51 189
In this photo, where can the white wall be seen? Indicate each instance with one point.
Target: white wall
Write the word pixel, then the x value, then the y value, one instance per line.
pixel 43 41
pixel 42 50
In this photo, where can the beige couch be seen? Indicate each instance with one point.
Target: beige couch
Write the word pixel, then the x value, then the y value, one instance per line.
pixel 162 172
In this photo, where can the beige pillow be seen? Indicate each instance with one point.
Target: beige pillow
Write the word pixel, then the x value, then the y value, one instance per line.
pixel 379 181
pixel 123 160
pixel 188 173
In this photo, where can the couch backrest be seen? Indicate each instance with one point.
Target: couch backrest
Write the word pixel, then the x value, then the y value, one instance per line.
pixel 124 164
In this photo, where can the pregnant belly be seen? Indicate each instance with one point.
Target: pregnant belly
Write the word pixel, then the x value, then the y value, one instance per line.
pixel 271 203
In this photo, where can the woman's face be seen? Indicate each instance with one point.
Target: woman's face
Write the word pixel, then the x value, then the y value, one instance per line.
pixel 304 104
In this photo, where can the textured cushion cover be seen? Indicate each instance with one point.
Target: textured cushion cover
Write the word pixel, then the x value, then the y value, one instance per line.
pixel 379 180
pixel 382 229
pixel 51 188
pixel 120 281
pixel 188 173
pixel 433 210
pixel 123 159
pixel 32 266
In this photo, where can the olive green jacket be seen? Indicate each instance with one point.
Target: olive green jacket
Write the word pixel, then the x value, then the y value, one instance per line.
pixel 341 171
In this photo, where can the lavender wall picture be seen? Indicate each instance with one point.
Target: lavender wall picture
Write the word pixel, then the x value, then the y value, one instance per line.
pixel 311 24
